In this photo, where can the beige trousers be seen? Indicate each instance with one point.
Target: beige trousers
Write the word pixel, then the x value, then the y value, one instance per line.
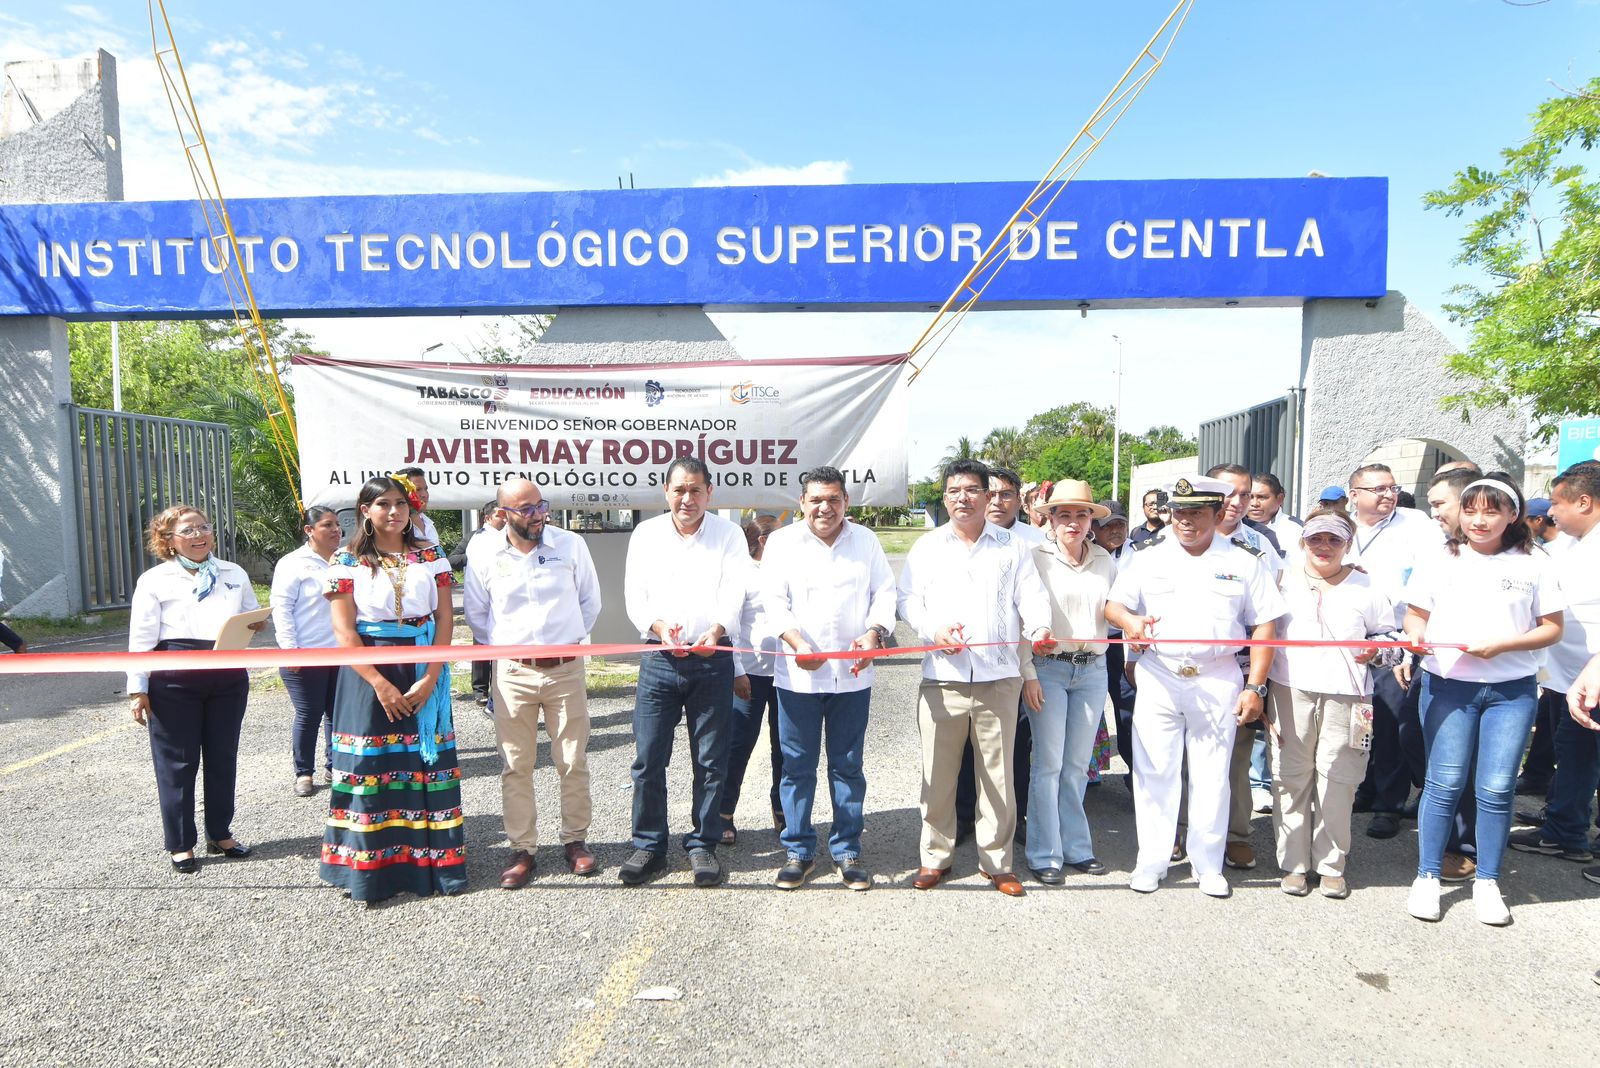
pixel 947 715
pixel 521 695
pixel 1315 775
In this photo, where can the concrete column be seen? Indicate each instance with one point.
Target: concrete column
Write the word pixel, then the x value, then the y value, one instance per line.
pixel 38 512
pixel 1375 373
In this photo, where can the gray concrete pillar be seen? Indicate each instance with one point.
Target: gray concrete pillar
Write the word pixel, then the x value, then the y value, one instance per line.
pixel 38 511
pixel 1375 373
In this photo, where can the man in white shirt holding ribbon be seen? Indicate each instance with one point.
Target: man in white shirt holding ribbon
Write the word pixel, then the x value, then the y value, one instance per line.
pixel 538 587
pixel 963 589
pixel 826 585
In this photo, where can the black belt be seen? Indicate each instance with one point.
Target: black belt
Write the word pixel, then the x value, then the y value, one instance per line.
pixel 184 643
pixel 1078 658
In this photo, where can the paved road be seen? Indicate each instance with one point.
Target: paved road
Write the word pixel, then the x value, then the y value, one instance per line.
pixel 106 956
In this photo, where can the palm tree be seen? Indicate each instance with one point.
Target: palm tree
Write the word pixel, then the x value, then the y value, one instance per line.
pixel 963 449
pixel 1006 446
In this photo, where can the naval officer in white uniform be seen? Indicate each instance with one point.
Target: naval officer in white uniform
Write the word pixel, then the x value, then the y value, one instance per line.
pixel 1191 582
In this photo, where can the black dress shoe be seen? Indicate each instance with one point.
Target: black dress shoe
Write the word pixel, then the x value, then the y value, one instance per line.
pixel 235 851
pixel 186 866
pixel 1049 876
pixel 642 865
pixel 1089 867
pixel 1383 825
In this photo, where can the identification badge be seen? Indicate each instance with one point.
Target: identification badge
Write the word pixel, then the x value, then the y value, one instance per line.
pixel 1361 727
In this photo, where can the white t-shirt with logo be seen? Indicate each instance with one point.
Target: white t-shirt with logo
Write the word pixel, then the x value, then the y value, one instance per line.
pixel 1354 609
pixel 1472 598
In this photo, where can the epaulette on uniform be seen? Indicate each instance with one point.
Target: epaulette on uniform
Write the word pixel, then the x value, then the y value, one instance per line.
pixel 1143 545
pixel 1247 547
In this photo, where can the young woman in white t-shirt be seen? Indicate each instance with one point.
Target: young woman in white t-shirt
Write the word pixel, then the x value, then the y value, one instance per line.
pixel 1320 734
pixel 1488 595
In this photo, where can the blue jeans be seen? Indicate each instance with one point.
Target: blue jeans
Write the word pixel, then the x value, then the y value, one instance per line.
pixel 1577 775
pixel 1461 720
pixel 698 690
pixel 311 694
pixel 746 729
pixel 1063 744
pixel 801 718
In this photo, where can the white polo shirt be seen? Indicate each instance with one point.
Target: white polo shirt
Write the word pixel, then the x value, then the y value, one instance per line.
pixel 1578 574
pixel 1472 598
pixel 549 595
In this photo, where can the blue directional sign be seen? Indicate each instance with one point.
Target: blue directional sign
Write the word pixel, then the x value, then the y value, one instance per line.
pixel 1580 440
pixel 1129 243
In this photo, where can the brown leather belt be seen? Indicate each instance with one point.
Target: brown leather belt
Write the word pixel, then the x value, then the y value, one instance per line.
pixel 546 661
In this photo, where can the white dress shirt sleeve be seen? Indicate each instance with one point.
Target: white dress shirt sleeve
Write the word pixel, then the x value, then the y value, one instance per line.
pixel 1264 600
pixel 475 597
pixel 588 581
pixel 910 599
pixel 881 607
pixel 144 629
pixel 247 592
pixel 285 595
pixel 737 581
pixel 635 588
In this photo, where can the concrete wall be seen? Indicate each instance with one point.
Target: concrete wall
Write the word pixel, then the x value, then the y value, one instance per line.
pixel 1374 377
pixel 60 138
pixel 38 513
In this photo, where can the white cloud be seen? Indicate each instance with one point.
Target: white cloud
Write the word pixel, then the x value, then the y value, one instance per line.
pixel 820 172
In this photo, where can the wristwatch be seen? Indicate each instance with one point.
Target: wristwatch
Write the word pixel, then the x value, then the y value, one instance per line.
pixel 1259 689
pixel 885 635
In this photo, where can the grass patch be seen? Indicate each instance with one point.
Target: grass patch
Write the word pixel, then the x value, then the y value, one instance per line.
pixel 898 540
pixel 40 630
pixel 263 593
pixel 605 678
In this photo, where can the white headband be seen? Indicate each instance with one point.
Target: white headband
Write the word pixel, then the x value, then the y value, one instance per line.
pixel 1496 484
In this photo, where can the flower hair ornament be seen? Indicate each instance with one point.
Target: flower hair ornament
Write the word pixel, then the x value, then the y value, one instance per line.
pixel 411 490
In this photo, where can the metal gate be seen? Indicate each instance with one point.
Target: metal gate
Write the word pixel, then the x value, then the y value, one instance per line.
pixel 1261 438
pixel 129 468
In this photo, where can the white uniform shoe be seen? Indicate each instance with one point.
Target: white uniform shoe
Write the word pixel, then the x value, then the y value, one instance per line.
pixel 1423 901
pixel 1144 882
pixel 1491 907
pixel 1215 885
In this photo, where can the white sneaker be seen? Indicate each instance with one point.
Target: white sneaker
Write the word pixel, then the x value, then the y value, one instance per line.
pixel 1261 799
pixel 1215 885
pixel 1423 901
pixel 1490 905
pixel 1144 882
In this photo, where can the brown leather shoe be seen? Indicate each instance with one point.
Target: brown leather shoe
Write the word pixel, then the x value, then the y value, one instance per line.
pixel 1007 883
pixel 928 878
pixel 1239 855
pixel 1457 868
pixel 519 873
pixel 580 860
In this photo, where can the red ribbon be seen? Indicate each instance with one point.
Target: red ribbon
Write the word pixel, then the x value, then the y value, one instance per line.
pixel 211 660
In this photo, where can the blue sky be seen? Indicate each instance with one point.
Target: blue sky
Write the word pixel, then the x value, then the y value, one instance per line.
pixel 303 98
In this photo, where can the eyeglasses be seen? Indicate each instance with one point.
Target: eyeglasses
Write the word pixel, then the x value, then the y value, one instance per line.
pixel 1391 490
pixel 966 491
pixel 529 511
pixel 193 532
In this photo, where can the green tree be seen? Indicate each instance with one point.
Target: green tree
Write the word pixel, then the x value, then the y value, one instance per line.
pixel 963 449
pixel 1090 460
pixel 198 370
pixel 1535 231
pixel 1006 446
pixel 1170 441
pixel 1080 418
pixel 508 339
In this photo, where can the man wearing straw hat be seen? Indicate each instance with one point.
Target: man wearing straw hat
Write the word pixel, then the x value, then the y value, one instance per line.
pixel 1191 583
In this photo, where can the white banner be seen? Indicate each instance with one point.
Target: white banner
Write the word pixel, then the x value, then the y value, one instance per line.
pixel 597 437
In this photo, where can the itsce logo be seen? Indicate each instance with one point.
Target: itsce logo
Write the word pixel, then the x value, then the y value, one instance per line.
pixel 653 392
pixel 745 392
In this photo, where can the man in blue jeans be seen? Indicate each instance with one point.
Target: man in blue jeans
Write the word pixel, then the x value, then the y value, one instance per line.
pixel 1575 502
pixel 684 584
pixel 826 585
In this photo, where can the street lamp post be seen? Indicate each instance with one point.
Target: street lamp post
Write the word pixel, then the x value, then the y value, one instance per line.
pixel 424 354
pixel 1116 430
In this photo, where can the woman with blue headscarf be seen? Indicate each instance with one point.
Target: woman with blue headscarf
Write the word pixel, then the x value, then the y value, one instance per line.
pixel 394 814
pixel 193 716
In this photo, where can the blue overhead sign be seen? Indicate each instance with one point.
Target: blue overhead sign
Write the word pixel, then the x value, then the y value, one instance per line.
pixel 1133 243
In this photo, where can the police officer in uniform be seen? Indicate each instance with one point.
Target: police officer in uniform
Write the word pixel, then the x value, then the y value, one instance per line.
pixel 1191 582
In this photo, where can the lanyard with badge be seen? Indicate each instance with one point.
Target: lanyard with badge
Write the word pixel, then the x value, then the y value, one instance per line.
pixel 1360 712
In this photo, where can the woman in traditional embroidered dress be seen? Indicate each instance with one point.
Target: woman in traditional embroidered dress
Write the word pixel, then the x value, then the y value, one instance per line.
pixel 394 814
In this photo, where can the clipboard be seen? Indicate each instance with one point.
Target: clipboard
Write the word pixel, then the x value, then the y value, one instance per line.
pixel 236 633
